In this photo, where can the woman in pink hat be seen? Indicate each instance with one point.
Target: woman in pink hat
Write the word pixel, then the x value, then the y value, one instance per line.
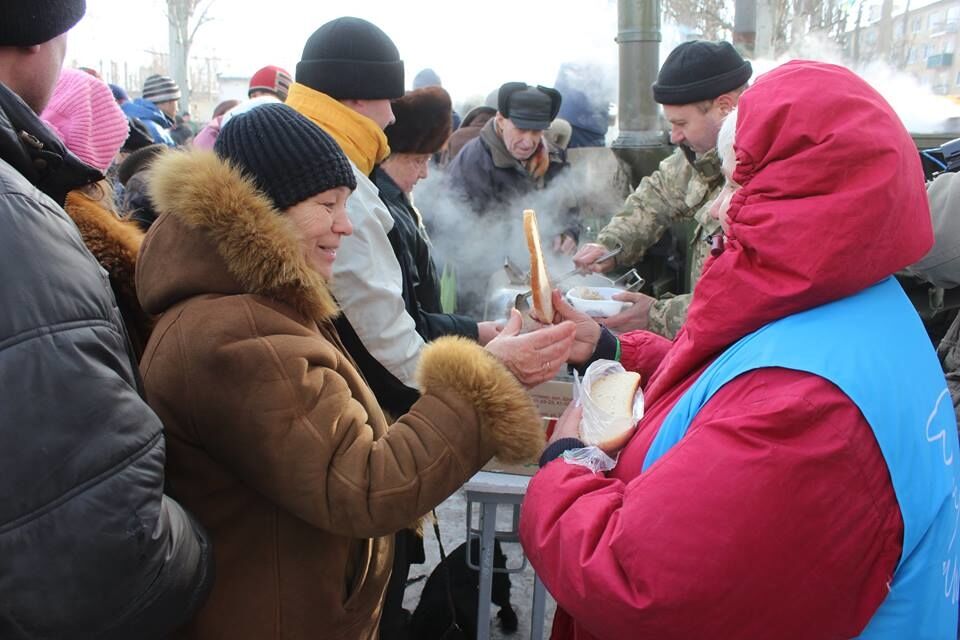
pixel 84 114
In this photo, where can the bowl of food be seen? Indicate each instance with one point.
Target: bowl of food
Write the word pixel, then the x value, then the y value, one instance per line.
pixel 596 301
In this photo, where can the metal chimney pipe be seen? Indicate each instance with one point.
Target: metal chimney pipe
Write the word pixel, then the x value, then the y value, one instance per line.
pixel 639 38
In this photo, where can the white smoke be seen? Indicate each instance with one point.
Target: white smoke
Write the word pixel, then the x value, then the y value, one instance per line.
pixel 477 244
pixel 920 109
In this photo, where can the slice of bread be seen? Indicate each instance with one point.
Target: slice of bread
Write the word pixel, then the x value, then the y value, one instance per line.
pixel 614 394
pixel 539 281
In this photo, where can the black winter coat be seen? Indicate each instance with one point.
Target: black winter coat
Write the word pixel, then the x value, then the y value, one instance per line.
pixel 89 545
pixel 421 285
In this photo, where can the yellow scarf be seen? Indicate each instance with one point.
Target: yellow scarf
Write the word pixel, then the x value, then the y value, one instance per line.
pixel 359 136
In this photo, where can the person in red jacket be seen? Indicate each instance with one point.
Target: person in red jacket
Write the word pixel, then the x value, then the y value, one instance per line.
pixel 779 512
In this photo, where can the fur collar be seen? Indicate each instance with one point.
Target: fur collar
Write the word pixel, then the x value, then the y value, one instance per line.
pixel 258 245
pixel 115 243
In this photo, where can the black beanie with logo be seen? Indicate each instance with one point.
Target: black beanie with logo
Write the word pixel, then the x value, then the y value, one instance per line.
pixel 287 156
pixel 350 58
pixel 24 23
pixel 700 70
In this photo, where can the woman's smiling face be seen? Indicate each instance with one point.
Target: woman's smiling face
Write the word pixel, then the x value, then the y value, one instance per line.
pixel 322 221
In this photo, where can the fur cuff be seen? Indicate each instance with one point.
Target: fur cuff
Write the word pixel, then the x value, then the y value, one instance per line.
pixel 507 415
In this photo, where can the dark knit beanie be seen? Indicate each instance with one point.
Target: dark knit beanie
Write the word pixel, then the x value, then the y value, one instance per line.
pixel 700 70
pixel 25 23
pixel 350 58
pixel 119 93
pixel 287 156
pixel 424 119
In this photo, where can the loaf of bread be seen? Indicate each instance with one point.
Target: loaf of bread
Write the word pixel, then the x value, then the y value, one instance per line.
pixel 539 281
pixel 614 394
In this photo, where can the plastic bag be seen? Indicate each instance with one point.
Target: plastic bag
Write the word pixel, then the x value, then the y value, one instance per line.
pixel 592 458
pixel 595 421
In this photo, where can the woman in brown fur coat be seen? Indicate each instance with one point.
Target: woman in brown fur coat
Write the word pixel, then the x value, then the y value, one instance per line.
pixel 274 440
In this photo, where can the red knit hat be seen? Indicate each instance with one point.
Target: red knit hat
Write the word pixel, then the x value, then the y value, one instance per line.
pixel 84 115
pixel 273 79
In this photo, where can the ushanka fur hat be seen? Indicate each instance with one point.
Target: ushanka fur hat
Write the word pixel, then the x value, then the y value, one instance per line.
pixel 423 121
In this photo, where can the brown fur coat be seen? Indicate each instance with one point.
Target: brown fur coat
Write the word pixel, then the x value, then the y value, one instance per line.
pixel 115 244
pixel 274 441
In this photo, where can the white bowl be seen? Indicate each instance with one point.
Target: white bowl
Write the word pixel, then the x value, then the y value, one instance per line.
pixel 602 308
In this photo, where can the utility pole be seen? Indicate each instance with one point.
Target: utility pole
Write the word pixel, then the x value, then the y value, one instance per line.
pixel 745 26
pixel 182 29
pixel 763 42
pixel 641 143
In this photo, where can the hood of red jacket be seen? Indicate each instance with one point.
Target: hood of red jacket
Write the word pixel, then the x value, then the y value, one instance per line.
pixel 832 200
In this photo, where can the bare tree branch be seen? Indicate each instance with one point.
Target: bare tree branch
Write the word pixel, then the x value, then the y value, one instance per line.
pixel 202 20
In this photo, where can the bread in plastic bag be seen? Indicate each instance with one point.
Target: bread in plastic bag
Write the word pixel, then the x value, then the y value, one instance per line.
pixel 597 426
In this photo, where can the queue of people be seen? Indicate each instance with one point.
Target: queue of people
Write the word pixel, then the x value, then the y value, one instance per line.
pixel 227 403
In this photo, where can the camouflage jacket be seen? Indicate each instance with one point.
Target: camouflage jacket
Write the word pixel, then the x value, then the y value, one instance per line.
pixel 678 190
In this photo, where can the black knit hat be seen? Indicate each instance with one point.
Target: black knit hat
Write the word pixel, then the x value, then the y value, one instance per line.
pixel 29 22
pixel 700 70
pixel 350 58
pixel 288 157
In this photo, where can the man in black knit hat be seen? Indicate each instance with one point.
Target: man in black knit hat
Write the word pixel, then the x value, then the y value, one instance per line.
pixel 90 547
pixel 698 85
pixel 349 73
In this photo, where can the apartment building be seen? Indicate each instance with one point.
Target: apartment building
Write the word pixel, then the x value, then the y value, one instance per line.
pixel 923 43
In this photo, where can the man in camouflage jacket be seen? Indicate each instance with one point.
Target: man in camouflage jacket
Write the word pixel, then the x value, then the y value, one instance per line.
pixel 698 85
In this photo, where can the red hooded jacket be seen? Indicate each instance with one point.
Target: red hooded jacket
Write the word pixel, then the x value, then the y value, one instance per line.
pixel 774 517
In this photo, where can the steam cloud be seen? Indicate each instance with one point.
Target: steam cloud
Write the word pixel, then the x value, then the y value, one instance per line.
pixel 476 245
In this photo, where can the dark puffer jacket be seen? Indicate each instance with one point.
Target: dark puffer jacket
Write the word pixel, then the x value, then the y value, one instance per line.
pixel 89 545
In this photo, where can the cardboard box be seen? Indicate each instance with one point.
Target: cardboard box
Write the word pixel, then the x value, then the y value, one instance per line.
pixel 550 399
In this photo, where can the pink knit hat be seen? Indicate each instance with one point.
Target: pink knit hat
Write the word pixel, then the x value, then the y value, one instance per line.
pixel 83 113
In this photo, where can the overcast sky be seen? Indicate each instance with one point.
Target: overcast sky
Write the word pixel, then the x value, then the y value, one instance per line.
pixel 474 47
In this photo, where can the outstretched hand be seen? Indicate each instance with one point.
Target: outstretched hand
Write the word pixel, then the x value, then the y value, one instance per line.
pixel 587 331
pixel 634 317
pixel 533 357
pixel 487 331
